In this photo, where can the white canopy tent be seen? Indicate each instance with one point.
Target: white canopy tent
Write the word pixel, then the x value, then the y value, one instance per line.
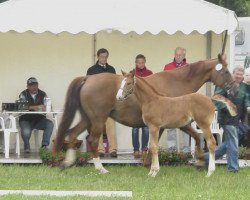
pixel 91 16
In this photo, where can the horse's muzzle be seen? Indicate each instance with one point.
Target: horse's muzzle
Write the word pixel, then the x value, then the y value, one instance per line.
pixel 233 89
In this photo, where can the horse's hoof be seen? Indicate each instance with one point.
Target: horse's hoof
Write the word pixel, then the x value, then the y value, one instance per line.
pixel 201 165
pixel 153 173
pixel 103 171
pixel 209 173
pixel 62 167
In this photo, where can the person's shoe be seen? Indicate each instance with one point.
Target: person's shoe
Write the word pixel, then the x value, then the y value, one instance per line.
pixel 144 152
pixel 233 171
pixel 101 154
pixel 26 148
pixel 137 154
pixel 113 154
pixel 45 147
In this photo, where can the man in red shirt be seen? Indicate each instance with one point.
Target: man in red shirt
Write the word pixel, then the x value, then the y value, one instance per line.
pixel 179 59
pixel 141 71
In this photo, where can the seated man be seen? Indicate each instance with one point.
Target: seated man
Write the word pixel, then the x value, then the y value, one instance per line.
pixel 28 122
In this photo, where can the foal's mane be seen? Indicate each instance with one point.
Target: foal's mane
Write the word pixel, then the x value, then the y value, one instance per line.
pixel 150 86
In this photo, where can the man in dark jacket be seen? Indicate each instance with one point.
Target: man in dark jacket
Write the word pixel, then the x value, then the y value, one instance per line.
pixel 102 66
pixel 36 100
pixel 230 124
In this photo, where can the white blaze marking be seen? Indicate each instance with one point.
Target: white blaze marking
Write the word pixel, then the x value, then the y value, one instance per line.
pixel 120 91
pixel 218 67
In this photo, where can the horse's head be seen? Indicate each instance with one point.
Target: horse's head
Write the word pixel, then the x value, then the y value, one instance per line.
pixel 127 85
pixel 221 76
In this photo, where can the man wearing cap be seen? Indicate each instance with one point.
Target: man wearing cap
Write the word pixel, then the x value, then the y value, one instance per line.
pixel 36 100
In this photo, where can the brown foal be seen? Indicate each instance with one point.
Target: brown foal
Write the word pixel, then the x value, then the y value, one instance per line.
pixel 159 111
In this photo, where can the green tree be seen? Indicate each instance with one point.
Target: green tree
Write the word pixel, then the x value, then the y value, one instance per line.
pixel 241 7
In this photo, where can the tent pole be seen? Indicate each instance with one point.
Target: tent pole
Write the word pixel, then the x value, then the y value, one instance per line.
pixel 208 56
pixel 94 48
pixel 224 43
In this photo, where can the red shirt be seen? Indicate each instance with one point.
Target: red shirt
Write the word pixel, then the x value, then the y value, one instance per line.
pixel 143 72
pixel 174 65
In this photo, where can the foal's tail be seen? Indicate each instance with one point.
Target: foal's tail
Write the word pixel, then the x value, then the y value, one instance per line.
pixel 72 103
pixel 230 106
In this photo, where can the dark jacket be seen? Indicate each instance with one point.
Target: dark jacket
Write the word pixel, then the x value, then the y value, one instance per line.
pixel 242 101
pixel 25 95
pixel 97 69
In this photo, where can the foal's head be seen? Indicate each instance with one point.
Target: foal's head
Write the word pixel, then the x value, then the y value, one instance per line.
pixel 127 85
pixel 221 76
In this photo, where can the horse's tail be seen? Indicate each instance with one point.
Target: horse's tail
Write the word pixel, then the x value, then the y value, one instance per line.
pixel 72 103
pixel 230 106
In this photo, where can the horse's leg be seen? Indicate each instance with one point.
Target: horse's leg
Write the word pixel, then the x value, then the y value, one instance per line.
pixel 153 148
pixel 211 143
pixel 148 158
pixel 71 152
pixel 96 131
pixel 160 133
pixel 198 150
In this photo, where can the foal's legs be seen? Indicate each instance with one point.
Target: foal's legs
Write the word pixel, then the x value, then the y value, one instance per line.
pixel 148 159
pixel 211 143
pixel 153 148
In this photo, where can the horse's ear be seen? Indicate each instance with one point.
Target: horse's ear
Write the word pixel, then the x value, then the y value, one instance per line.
pixel 123 73
pixel 222 59
pixel 133 72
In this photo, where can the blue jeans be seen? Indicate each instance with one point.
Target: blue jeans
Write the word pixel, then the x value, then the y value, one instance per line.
pixel 144 138
pixel 229 147
pixel 27 126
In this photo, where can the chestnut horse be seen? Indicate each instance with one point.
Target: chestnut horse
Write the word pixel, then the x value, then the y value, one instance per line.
pixel 95 98
pixel 159 111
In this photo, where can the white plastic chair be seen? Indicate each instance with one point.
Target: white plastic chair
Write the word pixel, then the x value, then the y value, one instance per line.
pixel 7 131
pixel 36 137
pixel 215 129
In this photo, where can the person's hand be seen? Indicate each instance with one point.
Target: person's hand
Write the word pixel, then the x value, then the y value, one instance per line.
pixel 32 108
pixel 37 108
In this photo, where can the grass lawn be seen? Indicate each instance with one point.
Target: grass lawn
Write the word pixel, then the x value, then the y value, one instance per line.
pixel 183 182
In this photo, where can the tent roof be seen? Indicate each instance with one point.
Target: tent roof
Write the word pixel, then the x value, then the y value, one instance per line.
pixel 91 16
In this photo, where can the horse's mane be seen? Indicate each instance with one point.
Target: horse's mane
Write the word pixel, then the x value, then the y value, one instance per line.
pixel 190 69
pixel 150 86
